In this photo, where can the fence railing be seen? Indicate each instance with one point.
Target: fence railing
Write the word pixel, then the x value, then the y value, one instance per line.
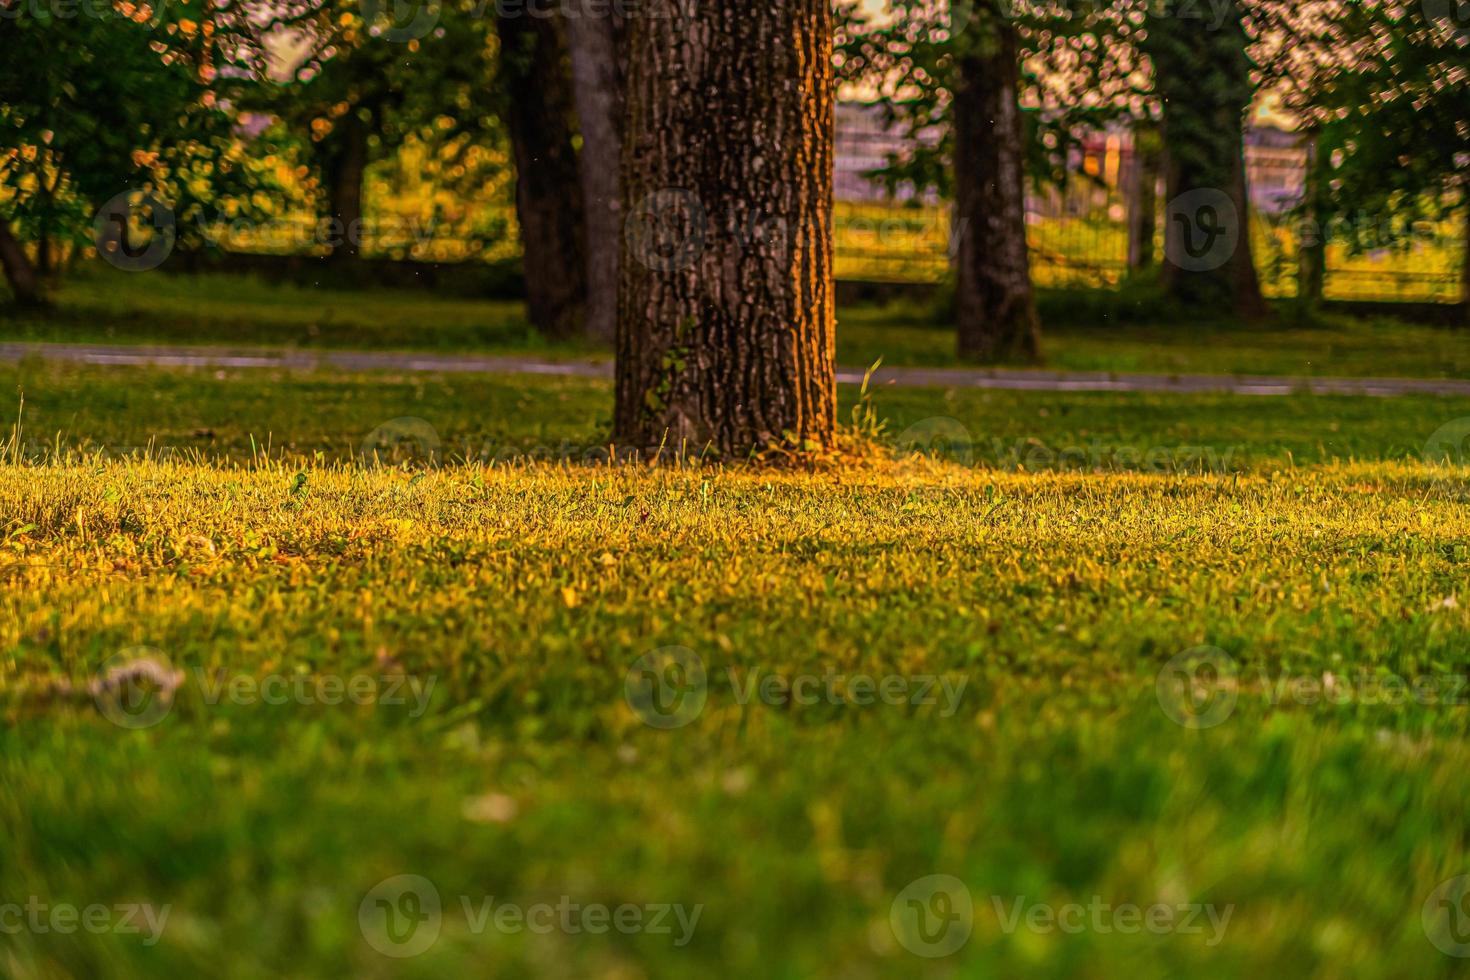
pixel 1079 233
pixel 1077 241
pixel 903 243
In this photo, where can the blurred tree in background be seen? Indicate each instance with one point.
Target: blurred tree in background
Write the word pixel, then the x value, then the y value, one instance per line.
pixel 355 89
pixel 597 44
pixel 92 107
pixel 990 93
pixel 1203 83
pixel 537 102
pixel 1384 90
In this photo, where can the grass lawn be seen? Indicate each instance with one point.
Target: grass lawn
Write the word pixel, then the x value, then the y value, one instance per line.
pixel 103 305
pixel 542 690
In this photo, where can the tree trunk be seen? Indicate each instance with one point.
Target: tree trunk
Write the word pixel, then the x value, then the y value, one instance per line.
pixel 25 285
pixel 45 257
pixel 45 264
pixel 1143 201
pixel 994 305
pixel 598 86
pixel 1202 77
pixel 345 178
pixel 537 89
pixel 1465 267
pixel 726 311
pixel 1311 238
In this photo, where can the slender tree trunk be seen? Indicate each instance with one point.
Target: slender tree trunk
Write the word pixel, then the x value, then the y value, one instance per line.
pixel 537 89
pixel 25 285
pixel 726 312
pixel 1465 267
pixel 47 258
pixel 994 305
pixel 45 262
pixel 1248 302
pixel 597 80
pixel 1311 237
pixel 1202 76
pixel 345 179
pixel 1143 201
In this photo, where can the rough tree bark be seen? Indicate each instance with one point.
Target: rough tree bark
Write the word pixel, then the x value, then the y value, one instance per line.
pixel 25 285
pixel 1202 77
pixel 346 168
pixel 995 307
pixel 538 108
pixel 726 312
pixel 597 81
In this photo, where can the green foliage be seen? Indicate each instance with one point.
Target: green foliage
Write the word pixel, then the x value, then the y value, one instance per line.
pixel 1202 75
pixel 350 76
pixel 1384 88
pixel 118 99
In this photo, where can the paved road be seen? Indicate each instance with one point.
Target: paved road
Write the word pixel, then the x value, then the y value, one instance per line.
pixel 299 360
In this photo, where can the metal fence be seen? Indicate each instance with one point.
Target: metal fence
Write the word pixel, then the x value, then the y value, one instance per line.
pixel 1079 233
pixel 1082 235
